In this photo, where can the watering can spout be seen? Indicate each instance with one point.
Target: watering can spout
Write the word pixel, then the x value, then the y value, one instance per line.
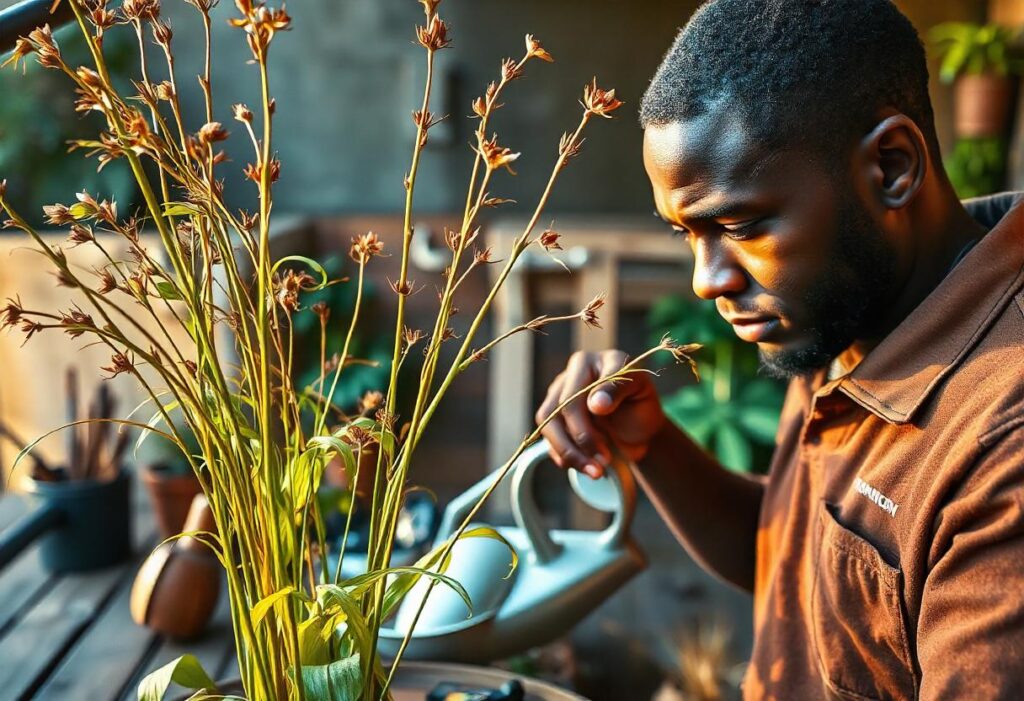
pixel 562 575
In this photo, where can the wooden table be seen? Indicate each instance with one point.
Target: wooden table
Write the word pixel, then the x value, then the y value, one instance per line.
pixel 71 637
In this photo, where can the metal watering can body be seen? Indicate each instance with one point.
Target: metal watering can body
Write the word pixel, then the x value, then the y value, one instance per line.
pixel 562 575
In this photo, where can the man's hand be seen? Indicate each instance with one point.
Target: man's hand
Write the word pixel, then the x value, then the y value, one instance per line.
pixel 627 413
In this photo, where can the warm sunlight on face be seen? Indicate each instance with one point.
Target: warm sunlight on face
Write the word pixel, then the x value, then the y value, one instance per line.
pixel 789 257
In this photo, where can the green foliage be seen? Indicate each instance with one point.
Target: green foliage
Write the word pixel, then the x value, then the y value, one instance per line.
pixel 731 412
pixel 370 343
pixel 969 48
pixel 185 671
pixel 977 166
pixel 337 681
pixel 37 119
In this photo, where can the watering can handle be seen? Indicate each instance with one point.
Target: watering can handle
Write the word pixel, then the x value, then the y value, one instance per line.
pixel 614 493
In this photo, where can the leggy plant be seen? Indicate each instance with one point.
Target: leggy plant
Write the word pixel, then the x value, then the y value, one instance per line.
pixel 302 633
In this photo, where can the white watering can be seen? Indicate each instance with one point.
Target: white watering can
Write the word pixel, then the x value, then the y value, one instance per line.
pixel 562 575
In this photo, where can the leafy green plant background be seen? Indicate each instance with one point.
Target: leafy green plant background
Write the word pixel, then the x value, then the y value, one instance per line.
pixel 733 412
pixel 977 166
pixel 966 47
pixel 37 118
pixel 370 343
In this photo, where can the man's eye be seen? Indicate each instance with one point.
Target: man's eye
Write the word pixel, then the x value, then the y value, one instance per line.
pixel 742 230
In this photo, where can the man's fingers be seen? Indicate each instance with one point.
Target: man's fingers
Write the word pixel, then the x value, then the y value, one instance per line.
pixel 606 398
pixel 581 371
pixel 550 402
pixel 564 451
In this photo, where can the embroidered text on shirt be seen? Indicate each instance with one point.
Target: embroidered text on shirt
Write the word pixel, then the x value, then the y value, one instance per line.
pixel 882 501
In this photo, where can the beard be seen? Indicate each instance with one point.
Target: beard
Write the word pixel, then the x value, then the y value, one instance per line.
pixel 846 300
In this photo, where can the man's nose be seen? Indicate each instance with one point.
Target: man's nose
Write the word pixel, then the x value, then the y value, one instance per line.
pixel 715 271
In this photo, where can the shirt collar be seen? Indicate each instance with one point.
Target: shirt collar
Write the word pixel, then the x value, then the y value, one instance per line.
pixel 895 379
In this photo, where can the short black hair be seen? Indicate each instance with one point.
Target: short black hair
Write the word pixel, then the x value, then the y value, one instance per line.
pixel 813 71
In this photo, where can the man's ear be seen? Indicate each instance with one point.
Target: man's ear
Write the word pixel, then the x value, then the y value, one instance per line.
pixel 893 160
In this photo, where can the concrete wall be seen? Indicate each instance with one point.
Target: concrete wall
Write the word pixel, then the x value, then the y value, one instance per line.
pixel 348 75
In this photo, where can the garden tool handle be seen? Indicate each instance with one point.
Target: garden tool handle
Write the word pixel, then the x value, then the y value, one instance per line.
pixel 15 538
pixel 614 493
pixel 20 19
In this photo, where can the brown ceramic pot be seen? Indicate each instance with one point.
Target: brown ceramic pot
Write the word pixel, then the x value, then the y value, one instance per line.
pixel 982 105
pixel 177 586
pixel 171 495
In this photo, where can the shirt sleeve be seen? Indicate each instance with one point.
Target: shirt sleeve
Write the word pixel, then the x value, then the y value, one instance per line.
pixel 971 627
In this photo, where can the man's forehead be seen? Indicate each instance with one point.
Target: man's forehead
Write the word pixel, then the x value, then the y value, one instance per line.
pixel 714 149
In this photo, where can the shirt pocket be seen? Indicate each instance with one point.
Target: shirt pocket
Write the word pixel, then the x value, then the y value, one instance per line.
pixel 857 617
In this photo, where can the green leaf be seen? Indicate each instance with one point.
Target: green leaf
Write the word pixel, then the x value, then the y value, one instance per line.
pixel 166 290
pixel 488 532
pixel 185 671
pixel 119 422
pixel 338 681
pixel 346 451
pixel 357 585
pixel 760 423
pixel 181 209
pixel 319 269
pixel 356 628
pixel 81 210
pixel 313 649
pixel 404 583
pixel 733 449
pixel 156 419
pixel 263 606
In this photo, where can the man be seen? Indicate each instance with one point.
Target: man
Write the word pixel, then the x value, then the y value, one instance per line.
pixel 792 144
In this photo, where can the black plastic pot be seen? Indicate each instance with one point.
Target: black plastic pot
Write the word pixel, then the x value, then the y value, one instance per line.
pixel 84 525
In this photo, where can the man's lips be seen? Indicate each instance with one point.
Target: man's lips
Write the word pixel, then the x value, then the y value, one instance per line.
pixel 753 328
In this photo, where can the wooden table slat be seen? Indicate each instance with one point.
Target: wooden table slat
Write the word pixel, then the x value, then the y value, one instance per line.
pixel 105 658
pixel 23 582
pixel 42 637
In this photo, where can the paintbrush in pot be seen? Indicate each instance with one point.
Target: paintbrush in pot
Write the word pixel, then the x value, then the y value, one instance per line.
pixel 41 470
pixel 74 453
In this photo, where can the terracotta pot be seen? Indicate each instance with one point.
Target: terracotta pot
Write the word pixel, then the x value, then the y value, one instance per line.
pixel 171 495
pixel 982 105
pixel 177 586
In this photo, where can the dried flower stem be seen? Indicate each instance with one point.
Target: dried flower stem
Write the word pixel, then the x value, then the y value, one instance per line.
pixel 624 374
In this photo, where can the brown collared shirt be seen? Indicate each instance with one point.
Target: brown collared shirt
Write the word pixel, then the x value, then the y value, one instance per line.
pixel 890 551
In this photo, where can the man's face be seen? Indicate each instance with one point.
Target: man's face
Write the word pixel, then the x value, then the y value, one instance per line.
pixel 782 244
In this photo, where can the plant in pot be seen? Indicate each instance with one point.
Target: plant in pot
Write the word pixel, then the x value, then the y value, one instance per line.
pixel 83 514
pixel 979 62
pixel 169 479
pixel 302 632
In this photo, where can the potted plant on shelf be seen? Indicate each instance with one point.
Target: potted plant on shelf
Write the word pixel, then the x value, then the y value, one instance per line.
pixel 978 61
pixel 303 633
